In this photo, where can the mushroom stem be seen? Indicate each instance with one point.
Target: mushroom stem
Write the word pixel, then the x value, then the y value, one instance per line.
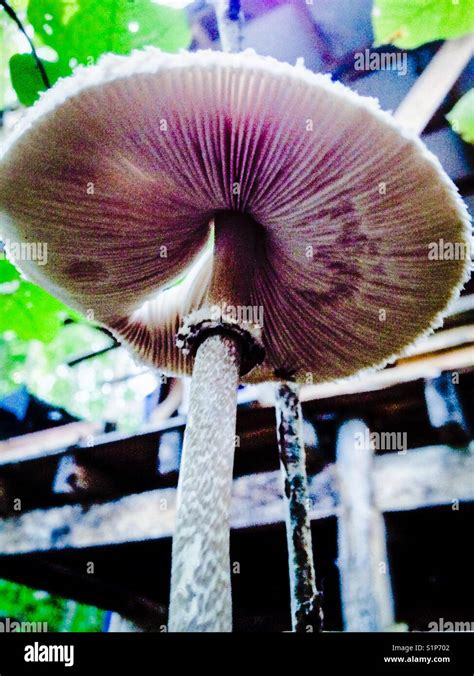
pixel 200 598
pixel 234 252
pixel 306 610
pixel 200 577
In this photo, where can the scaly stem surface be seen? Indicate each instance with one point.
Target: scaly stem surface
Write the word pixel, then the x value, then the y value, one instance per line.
pixel 200 579
pixel 305 600
pixel 200 598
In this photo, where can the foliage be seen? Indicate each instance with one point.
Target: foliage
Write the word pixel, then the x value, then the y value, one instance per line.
pixel 26 77
pixel 22 604
pixel 85 29
pixel 410 23
pixel 36 345
pixel 27 310
pixel 461 117
pixel 80 31
pixel 8 46
pixel 83 389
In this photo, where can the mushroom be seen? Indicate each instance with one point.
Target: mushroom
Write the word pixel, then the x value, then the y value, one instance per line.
pixel 278 192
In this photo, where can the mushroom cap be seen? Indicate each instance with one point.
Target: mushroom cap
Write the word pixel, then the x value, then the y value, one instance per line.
pixel 121 168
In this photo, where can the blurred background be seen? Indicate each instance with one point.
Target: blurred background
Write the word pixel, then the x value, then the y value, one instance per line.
pixel 90 440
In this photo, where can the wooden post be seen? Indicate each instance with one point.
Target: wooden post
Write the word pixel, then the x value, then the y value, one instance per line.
pixel 445 409
pixel 229 23
pixel 434 84
pixel 169 447
pixel 367 603
pixel 75 478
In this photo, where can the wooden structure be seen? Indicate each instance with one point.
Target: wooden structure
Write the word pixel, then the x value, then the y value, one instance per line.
pixel 396 441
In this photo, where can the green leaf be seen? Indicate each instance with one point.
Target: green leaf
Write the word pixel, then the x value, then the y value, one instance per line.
pixel 80 31
pixel 461 117
pixel 27 310
pixel 26 77
pixel 83 30
pixel 50 20
pixel 410 23
pixel 8 272
pixel 9 39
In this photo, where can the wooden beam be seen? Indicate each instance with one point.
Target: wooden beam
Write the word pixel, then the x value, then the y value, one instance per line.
pixel 254 427
pixel 434 84
pixel 366 594
pixel 402 372
pixel 442 341
pixel 462 305
pixel 44 442
pixel 55 441
pixel 430 476
pixel 132 518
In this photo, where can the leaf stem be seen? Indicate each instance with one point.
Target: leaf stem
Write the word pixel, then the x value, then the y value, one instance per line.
pixel 14 16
